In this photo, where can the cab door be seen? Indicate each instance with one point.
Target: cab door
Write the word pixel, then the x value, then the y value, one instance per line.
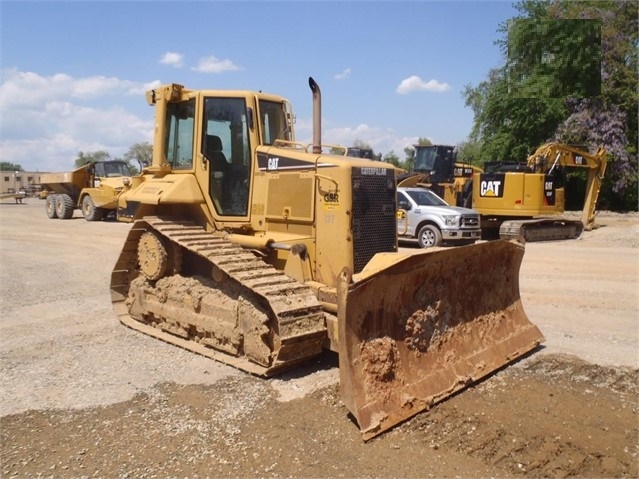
pixel 226 156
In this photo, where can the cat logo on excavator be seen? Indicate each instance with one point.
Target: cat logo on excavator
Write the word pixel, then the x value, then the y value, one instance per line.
pixel 490 188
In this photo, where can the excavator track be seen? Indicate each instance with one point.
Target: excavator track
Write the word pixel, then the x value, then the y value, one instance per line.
pixel 541 229
pixel 214 298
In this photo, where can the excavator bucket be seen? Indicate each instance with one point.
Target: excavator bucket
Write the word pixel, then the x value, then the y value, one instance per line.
pixel 416 331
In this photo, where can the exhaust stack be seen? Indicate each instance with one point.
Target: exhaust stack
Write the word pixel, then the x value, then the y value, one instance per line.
pixel 317 115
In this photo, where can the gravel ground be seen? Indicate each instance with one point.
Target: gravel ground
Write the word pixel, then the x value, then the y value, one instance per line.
pixel 84 396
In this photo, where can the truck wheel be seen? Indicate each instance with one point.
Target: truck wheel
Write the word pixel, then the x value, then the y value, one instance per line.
pixel 64 206
pixel 50 206
pixel 90 212
pixel 429 235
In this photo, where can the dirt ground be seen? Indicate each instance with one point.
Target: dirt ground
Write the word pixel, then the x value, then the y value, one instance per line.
pixel 84 396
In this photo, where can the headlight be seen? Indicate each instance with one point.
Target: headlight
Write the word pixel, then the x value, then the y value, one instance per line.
pixel 450 220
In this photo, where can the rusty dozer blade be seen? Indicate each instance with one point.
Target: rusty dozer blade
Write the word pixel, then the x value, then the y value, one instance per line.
pixel 428 325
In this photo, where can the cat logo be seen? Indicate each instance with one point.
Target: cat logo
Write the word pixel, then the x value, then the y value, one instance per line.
pixel 490 188
pixel 273 163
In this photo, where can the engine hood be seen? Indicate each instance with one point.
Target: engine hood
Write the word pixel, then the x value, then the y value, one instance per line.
pixel 447 210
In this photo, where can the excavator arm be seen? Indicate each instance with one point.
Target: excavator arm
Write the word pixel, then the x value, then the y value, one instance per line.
pixel 550 155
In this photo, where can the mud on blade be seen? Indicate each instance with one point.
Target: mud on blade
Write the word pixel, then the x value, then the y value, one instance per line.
pixel 414 333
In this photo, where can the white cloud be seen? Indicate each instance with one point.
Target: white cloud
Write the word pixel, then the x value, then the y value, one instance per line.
pixel 343 74
pixel 25 89
pixel 214 65
pixel 381 140
pixel 415 83
pixel 47 120
pixel 174 59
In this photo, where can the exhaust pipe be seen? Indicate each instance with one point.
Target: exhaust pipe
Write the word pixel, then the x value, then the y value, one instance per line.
pixel 317 116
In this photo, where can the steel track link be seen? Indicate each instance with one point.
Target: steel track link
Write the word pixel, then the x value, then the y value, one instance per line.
pixel 298 316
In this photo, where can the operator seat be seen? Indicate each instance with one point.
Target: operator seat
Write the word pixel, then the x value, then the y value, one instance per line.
pixel 213 152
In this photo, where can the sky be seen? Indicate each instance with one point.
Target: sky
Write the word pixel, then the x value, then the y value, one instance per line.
pixel 74 73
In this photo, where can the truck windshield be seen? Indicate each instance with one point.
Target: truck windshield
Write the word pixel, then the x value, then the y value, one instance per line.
pixel 426 198
pixel 111 169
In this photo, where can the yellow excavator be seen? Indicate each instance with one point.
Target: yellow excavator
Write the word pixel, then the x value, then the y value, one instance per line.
pixel 261 252
pixel 525 202
pixel 516 201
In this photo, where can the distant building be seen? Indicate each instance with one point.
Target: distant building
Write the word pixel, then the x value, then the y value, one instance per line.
pixel 13 181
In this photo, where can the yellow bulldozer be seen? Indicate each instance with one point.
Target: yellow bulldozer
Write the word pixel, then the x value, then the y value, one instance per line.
pixel 256 250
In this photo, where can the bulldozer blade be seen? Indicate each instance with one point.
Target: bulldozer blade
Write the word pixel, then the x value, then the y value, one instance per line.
pixel 414 332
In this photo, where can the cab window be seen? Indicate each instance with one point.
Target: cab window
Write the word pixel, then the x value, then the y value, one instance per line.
pixel 180 120
pixel 275 122
pixel 227 149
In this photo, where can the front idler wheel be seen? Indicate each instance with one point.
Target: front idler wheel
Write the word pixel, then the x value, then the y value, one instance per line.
pixel 153 256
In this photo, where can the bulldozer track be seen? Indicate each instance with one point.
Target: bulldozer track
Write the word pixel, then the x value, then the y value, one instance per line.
pixel 297 318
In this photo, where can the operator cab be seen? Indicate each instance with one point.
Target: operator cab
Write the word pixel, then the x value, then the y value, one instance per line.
pixel 437 161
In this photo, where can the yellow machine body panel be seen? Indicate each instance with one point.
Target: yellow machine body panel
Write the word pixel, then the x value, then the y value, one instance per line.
pixel 516 194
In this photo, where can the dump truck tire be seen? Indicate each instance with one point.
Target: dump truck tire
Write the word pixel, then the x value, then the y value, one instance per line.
pixel 89 211
pixel 50 207
pixel 64 206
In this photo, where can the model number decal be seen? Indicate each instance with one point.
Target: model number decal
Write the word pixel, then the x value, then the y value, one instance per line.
pixel 373 171
pixel 331 197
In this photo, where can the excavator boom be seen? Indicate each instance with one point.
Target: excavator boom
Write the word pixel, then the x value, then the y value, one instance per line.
pixel 550 155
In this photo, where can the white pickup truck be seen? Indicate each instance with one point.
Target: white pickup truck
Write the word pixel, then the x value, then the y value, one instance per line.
pixel 425 217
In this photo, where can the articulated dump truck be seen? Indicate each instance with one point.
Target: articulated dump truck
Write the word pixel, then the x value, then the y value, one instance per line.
pixel 261 252
pixel 94 188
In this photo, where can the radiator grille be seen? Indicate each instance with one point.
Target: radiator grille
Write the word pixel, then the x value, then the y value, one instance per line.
pixel 470 221
pixel 374 214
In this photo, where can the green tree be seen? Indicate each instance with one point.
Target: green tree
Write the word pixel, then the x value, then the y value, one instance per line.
pixel 6 166
pixel 509 128
pixel 141 153
pixel 468 152
pixel 392 158
pixel 531 100
pixel 554 57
